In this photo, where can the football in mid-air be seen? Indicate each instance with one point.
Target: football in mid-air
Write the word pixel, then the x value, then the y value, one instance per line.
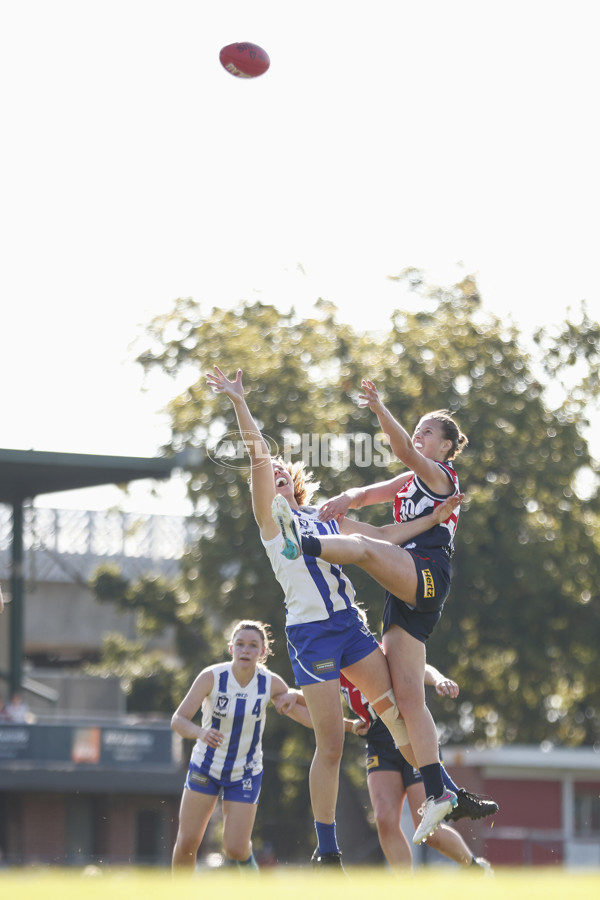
pixel 244 60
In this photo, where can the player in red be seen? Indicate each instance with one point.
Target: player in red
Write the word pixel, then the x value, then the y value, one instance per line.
pixel 391 780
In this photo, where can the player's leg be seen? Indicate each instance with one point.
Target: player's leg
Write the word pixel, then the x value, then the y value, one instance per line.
pixel 194 815
pixel 390 565
pixel 444 839
pixel 406 658
pixel 238 822
pixel 371 675
pixel 318 650
pixel 325 707
pixel 386 790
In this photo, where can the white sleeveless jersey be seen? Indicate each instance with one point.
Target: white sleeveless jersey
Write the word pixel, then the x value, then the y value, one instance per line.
pixel 313 588
pixel 239 713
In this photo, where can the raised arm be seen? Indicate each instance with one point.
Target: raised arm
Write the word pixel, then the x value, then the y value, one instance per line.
pixel 401 532
pixel 356 498
pixel 261 468
pixel 401 441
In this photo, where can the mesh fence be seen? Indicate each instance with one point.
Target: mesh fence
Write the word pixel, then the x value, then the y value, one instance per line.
pixel 68 544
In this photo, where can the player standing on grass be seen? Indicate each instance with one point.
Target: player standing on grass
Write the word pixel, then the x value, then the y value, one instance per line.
pixel 227 755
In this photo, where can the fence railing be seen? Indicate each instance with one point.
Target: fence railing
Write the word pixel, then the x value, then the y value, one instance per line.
pixel 68 544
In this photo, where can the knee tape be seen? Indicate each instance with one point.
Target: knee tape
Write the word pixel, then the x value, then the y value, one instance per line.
pixel 389 695
pixel 392 719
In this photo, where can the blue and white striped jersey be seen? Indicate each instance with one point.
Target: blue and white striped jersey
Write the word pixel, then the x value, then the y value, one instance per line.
pixel 313 588
pixel 239 713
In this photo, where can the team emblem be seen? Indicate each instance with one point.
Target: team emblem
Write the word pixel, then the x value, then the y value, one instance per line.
pixel 221 705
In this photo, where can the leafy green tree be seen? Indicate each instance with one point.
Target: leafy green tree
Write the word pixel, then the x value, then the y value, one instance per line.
pixel 520 628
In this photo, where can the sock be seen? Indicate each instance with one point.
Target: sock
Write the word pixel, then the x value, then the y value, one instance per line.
pixel 432 780
pixel 249 863
pixel 326 838
pixel 311 546
pixel 448 781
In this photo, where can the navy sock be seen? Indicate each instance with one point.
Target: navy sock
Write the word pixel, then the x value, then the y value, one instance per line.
pixel 326 838
pixel 432 780
pixel 448 781
pixel 311 546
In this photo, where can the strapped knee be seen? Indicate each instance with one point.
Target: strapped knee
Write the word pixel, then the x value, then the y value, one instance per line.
pixel 391 718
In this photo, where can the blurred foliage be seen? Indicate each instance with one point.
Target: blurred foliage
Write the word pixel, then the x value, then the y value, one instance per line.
pixel 520 629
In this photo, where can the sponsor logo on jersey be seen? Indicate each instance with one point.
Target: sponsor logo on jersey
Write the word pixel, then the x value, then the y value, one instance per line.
pixel 221 706
pixel 429 586
pixel 324 665
pixel 372 762
pixel 198 778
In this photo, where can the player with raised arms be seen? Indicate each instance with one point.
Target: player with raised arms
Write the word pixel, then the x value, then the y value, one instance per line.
pixel 324 629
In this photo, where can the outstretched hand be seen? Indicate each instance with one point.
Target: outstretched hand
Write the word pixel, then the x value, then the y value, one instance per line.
pixel 334 508
pixel 369 396
pixel 221 384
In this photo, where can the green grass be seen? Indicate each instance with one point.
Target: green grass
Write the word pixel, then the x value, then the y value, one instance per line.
pixel 288 883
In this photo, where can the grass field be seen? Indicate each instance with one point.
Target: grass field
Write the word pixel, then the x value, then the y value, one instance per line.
pixel 298 884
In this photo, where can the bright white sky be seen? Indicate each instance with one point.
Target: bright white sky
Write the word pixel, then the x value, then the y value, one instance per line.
pixel 455 136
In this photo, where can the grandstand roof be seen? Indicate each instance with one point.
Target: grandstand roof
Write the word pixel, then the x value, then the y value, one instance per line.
pixel 26 473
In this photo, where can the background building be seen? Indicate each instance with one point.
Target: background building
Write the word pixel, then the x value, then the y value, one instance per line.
pixel 81 781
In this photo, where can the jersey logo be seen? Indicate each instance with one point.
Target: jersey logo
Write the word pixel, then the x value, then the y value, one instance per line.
pixel 429 585
pixel 221 706
pixel 324 665
pixel 198 778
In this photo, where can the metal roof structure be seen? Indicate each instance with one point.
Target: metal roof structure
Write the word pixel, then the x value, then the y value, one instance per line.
pixel 24 474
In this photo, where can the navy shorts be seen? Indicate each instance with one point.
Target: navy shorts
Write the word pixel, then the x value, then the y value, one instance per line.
pixel 383 756
pixel 433 587
pixel 318 650
pixel 246 790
